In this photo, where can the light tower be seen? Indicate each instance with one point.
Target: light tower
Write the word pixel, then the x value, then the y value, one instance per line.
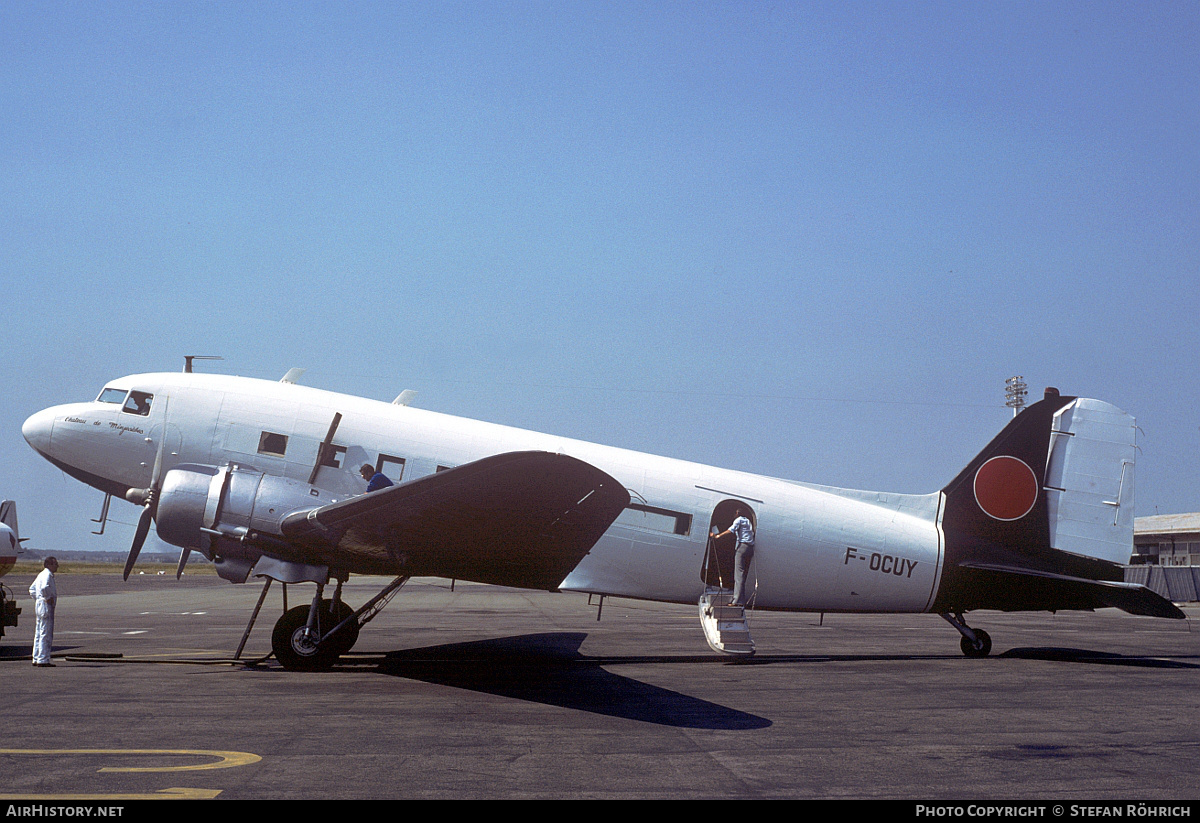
pixel 1014 393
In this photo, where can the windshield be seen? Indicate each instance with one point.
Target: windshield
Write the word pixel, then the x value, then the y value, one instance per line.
pixel 110 395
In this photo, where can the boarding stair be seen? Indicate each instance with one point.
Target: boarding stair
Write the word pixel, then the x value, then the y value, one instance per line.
pixel 726 625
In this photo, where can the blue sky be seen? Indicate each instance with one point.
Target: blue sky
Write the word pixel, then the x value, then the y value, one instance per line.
pixel 808 240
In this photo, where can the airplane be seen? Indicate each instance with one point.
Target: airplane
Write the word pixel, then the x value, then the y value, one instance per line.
pixel 10 545
pixel 262 476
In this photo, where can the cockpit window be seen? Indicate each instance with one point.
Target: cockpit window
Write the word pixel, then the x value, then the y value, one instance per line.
pixel 110 395
pixel 138 403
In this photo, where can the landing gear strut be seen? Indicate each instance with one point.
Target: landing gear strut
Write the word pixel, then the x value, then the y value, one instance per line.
pixel 312 638
pixel 975 642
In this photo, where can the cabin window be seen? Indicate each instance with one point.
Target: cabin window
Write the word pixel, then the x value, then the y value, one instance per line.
pixel 138 403
pixel 441 468
pixel 391 467
pixel 272 443
pixel 112 396
pixel 656 519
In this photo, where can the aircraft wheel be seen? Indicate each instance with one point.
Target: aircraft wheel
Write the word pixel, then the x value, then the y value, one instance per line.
pixel 296 648
pixel 345 639
pixel 982 646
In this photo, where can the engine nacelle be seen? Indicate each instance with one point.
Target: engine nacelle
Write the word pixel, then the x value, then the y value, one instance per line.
pixel 223 511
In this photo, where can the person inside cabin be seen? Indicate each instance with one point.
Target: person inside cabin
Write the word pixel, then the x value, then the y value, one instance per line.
pixel 375 480
pixel 743 530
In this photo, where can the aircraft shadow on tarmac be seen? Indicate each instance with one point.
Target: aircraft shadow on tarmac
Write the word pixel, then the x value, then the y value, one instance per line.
pixel 1049 653
pixel 1102 658
pixel 549 669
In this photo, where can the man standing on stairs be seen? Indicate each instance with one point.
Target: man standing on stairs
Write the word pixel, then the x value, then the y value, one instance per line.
pixel 742 555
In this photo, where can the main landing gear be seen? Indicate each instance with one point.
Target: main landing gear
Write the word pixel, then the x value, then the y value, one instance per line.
pixel 975 642
pixel 311 638
pixel 305 639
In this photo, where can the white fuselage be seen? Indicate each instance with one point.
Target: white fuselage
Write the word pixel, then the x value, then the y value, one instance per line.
pixel 817 548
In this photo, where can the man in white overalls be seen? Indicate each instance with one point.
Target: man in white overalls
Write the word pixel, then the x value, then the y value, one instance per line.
pixel 45 598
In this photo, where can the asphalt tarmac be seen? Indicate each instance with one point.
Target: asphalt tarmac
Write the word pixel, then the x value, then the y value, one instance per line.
pixel 484 692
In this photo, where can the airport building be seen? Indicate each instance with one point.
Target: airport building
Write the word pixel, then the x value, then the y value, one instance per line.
pixel 1166 540
pixel 1166 555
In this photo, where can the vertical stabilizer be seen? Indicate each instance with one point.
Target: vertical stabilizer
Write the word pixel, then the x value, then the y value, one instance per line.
pixel 10 545
pixel 8 516
pixel 1043 516
pixel 997 505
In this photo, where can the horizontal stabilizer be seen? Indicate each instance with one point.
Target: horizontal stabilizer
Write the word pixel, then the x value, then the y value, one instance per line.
pixel 1019 589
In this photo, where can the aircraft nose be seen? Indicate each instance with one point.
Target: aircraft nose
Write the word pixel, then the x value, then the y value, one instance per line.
pixel 37 430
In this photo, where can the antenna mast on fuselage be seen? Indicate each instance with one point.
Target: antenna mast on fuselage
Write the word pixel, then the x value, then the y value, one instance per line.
pixel 188 358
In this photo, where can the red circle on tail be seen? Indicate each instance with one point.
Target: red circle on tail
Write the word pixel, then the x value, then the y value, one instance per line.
pixel 1006 488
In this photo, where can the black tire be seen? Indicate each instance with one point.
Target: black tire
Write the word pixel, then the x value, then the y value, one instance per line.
pixel 982 646
pixel 345 639
pixel 296 649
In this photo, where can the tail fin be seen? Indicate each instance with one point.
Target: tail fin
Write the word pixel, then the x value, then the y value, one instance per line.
pixel 1043 515
pixel 8 516
pixel 10 542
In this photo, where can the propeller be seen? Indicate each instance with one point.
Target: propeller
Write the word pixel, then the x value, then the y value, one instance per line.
pixel 148 498
pixel 183 559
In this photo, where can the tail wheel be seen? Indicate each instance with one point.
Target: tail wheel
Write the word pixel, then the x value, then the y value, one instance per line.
pixel 982 646
pixel 296 646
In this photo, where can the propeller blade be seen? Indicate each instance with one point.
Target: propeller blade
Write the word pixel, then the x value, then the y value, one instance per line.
pixel 139 537
pixel 143 525
pixel 156 473
pixel 183 559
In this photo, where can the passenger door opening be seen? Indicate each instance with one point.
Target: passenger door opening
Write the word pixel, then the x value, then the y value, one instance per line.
pixel 717 570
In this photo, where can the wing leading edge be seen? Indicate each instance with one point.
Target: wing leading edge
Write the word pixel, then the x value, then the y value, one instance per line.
pixel 521 519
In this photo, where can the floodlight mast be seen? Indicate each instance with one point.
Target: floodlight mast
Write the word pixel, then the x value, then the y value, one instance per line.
pixel 1014 393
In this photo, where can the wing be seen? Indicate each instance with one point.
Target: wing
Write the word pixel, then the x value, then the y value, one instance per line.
pixel 521 519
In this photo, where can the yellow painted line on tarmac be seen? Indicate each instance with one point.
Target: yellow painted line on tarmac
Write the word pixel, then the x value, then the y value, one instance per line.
pixel 226 760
